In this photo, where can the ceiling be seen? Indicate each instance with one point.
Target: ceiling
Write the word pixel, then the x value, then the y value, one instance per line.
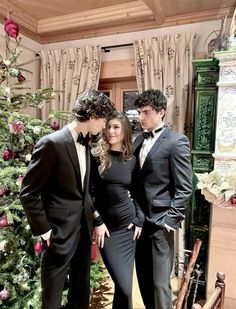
pixel 49 21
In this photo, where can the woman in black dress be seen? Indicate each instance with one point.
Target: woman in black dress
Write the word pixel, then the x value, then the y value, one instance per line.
pixel 122 216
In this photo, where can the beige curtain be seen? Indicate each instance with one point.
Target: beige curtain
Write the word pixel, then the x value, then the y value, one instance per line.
pixel 165 63
pixel 69 71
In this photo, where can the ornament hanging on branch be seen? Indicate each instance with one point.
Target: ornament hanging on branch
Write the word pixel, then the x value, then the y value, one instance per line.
pixel 16 126
pixel 38 247
pixel 3 221
pixel 4 294
pixel 7 154
pixel 55 126
pixel 11 28
pixel 21 78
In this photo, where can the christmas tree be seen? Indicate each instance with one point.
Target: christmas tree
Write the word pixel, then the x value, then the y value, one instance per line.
pixel 19 251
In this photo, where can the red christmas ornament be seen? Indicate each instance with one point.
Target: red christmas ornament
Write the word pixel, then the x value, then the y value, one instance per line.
pixel 11 28
pixel 55 126
pixel 4 294
pixel 3 221
pixel 93 251
pixel 7 154
pixel 21 78
pixel 233 200
pixel 38 247
pixel 17 126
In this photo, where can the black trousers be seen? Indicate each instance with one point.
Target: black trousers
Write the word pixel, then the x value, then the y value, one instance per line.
pixel 55 268
pixel 154 262
pixel 118 256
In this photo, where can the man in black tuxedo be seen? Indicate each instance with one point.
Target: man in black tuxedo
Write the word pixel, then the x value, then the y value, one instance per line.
pixel 163 185
pixel 56 198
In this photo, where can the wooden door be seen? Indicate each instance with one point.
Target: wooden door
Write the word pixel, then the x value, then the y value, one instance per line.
pixel 123 94
pixel 120 92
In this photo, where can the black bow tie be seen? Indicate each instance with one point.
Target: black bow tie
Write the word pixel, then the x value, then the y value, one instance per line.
pixel 147 134
pixel 83 140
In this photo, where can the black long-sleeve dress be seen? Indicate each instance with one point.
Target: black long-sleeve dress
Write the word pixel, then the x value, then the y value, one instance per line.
pixel 118 210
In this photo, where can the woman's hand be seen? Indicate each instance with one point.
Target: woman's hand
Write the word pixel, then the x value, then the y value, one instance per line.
pixel 137 231
pixel 100 232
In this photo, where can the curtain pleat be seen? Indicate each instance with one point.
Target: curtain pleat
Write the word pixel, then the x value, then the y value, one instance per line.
pixel 165 63
pixel 69 71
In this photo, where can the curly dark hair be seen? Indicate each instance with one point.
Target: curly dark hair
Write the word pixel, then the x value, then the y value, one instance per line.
pixel 151 97
pixel 92 103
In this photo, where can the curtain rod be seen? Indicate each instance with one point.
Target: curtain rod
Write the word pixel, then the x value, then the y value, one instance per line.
pixel 107 48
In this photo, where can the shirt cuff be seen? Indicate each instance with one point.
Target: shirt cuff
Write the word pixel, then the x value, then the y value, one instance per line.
pixel 47 235
pixel 96 214
pixel 169 228
pixel 98 221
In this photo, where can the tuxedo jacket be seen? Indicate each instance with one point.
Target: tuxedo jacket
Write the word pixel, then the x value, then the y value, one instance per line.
pixel 51 192
pixel 163 185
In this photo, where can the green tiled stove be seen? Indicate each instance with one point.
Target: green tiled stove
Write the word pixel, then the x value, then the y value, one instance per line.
pixel 197 220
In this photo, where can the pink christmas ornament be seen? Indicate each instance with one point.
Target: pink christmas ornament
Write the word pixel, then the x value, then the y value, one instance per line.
pixel 38 247
pixel 3 221
pixel 4 294
pixel 11 28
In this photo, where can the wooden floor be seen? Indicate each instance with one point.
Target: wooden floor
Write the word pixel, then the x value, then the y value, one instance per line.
pixel 102 298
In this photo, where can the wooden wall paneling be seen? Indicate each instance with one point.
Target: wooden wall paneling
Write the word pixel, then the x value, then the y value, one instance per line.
pixel 118 70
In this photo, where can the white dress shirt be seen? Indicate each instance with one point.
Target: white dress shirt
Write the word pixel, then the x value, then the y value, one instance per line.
pixel 147 145
pixel 81 152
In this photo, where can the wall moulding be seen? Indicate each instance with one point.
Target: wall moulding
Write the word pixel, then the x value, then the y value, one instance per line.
pixel 227 84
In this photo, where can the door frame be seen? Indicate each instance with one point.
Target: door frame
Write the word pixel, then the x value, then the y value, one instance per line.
pixel 116 90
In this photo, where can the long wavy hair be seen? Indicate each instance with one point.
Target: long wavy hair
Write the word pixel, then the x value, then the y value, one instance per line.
pixel 101 149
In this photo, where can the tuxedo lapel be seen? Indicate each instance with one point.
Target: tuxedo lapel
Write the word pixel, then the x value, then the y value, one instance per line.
pixel 71 149
pixel 88 167
pixel 154 148
pixel 137 146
